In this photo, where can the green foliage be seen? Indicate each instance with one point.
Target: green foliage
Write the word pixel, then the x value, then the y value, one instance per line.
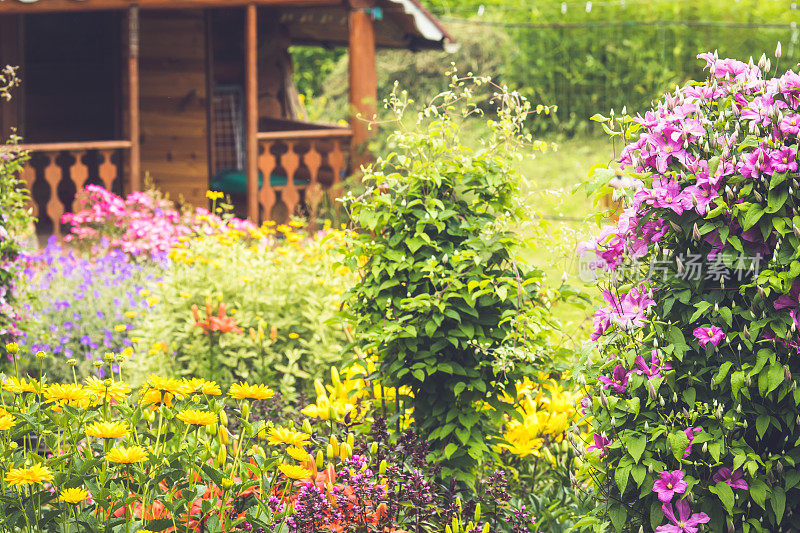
pixel 15 220
pixel 281 291
pixel 442 296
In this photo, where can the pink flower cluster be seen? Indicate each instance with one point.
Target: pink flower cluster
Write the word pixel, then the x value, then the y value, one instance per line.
pixel 141 223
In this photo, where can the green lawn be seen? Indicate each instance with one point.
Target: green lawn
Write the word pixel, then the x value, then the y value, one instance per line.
pixel 564 212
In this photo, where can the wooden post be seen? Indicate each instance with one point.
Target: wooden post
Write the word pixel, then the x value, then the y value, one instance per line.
pixel 134 154
pixel 363 80
pixel 251 111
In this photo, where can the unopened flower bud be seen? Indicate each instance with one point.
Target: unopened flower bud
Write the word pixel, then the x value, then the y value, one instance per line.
pixel 373 448
pixel 307 427
pixel 320 460
pixel 778 51
pixel 477 512
pixel 651 390
pixel 222 455
pixel 245 410
pixel 696 232
pixel 787 374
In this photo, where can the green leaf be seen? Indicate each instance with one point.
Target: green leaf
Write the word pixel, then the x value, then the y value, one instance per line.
pixel 777 179
pixel 790 478
pixel 762 423
pixel 778 502
pixel 722 373
pixel 638 473
pixel 725 494
pixel 758 491
pixel 714 448
pixel 636 446
pixel 618 515
pixel 621 475
pixel 450 449
pixel 678 441
pixel 753 215
pixel 737 381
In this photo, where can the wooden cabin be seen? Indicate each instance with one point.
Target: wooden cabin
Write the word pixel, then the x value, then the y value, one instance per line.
pixel 191 92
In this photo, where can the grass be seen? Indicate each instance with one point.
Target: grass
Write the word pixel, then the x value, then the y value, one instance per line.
pixel 565 216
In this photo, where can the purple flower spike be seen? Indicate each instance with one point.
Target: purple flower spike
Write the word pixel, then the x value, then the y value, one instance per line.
pixel 713 334
pixel 668 484
pixel 734 479
pixel 685 522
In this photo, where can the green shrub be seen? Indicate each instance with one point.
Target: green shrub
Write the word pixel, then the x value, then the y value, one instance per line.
pixel 443 301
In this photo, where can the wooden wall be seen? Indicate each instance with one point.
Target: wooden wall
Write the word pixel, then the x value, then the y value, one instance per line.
pixel 10 54
pixel 173 102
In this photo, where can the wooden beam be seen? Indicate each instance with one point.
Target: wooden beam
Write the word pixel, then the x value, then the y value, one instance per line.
pixel 251 111
pixel 134 155
pixel 363 79
pixel 331 133
pixel 53 6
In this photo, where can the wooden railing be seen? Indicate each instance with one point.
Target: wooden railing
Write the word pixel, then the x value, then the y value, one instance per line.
pixel 299 169
pixel 56 171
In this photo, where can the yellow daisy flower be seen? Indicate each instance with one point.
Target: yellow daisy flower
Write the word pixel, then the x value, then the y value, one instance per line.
pixel 105 390
pixel 294 471
pixel 279 435
pixel 70 394
pixel 73 496
pixel 243 391
pixel 36 474
pixel 107 430
pixel 196 417
pixel 17 386
pixel 7 422
pixel 298 454
pixel 126 455
pixel 209 388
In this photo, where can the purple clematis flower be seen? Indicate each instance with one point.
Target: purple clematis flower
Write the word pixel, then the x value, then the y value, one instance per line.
pixel 668 484
pixel 618 379
pixel 734 479
pixel 652 370
pixel 600 443
pixel 691 433
pixel 686 522
pixel 713 334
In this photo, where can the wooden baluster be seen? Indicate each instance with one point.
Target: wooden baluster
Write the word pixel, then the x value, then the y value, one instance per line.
pixel 290 161
pixel 336 161
pixel 79 171
pixel 313 161
pixel 266 164
pixel 52 175
pixel 107 169
pixel 29 175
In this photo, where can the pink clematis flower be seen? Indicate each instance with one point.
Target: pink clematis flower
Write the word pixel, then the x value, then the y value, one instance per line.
pixel 685 522
pixel 600 443
pixel 668 484
pixel 734 479
pixel 713 334
pixel 653 370
pixel 618 379
pixel 691 433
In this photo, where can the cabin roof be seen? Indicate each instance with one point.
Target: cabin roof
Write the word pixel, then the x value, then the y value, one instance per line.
pixel 398 23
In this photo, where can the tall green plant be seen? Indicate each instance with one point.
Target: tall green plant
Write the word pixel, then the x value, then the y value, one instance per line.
pixel 441 291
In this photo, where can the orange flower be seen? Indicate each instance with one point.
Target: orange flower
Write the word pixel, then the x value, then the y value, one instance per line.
pixel 219 322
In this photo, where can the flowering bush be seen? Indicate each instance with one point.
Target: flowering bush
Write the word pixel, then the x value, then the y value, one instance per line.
pixel 80 309
pixel 695 409
pixel 236 304
pixel 96 456
pixel 141 223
